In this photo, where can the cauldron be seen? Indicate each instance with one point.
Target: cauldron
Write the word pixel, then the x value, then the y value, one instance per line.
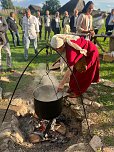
pixel 47 102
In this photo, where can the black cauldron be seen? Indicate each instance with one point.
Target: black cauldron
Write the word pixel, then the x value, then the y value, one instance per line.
pixel 47 102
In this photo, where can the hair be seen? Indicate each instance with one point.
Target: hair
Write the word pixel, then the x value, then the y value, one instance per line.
pixel 11 13
pixel 87 6
pixel 27 10
pixel 112 10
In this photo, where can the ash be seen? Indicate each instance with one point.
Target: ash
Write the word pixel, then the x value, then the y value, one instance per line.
pixel 65 131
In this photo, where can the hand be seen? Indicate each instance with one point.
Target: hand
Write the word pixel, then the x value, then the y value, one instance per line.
pixel 81 65
pixel 112 21
pixel 92 33
pixel 60 87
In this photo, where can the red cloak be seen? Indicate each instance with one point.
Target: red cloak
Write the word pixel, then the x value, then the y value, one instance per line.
pixel 84 79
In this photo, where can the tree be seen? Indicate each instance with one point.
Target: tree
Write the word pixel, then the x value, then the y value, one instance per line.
pixel 51 5
pixel 7 4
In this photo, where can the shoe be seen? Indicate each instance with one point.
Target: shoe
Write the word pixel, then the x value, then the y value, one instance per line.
pixel 26 58
pixel 36 52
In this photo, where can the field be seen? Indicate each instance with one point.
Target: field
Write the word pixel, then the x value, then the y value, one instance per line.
pixel 106 72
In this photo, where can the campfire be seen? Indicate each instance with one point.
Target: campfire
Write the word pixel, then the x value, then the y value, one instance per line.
pixel 59 130
pixel 31 129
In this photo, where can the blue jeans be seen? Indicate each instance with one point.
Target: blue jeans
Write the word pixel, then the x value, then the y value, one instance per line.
pixel 14 35
pixel 27 41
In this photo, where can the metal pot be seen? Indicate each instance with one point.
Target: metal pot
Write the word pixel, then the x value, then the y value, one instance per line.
pixel 47 103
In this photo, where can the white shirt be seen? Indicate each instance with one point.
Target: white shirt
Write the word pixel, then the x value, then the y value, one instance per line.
pixel 57 20
pixel 39 23
pixel 110 21
pixel 30 27
pixel 75 20
pixel 48 21
pixel 98 22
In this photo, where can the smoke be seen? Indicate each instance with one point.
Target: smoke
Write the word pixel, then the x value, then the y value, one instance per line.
pixel 42 78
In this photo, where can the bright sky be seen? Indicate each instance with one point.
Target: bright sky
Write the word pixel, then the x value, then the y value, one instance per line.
pixel 102 4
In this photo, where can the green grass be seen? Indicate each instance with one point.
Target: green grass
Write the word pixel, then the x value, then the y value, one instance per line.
pixel 106 72
pixel 18 62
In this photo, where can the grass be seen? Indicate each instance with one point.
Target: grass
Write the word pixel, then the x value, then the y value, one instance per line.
pixel 106 72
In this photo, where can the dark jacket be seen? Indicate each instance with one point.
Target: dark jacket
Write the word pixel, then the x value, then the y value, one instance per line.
pixel 72 22
pixel 108 27
pixel 12 25
pixel 107 20
pixel 3 30
pixel 53 25
pixel 45 20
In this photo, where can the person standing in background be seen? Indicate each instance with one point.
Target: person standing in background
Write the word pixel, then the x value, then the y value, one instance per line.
pixel 21 24
pixel 73 21
pixel 4 44
pixel 66 23
pixel 109 23
pixel 30 30
pixel 56 24
pixel 84 22
pixel 40 22
pixel 98 22
pixel 12 25
pixel 47 23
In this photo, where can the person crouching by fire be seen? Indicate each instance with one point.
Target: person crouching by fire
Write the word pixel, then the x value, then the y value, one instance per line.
pixel 83 58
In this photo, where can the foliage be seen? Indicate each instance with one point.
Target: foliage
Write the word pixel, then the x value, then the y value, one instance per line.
pixel 7 4
pixel 51 5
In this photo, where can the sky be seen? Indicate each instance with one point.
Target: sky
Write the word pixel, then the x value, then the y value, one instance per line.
pixel 106 5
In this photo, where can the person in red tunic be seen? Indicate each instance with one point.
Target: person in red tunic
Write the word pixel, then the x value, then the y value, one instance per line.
pixel 83 58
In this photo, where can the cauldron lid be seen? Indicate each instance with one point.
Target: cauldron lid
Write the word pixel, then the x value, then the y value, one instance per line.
pixel 47 93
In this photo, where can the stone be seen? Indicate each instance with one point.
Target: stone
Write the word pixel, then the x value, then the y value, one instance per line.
pixel 17 136
pixel 14 121
pixel 5 125
pixel 31 109
pixel 22 110
pixel 84 124
pixel 108 84
pixel 73 101
pixel 96 104
pixel 87 102
pixel 7 150
pixel 60 128
pixel 3 146
pixel 91 89
pixel 112 94
pixel 108 149
pixel 0 93
pixel 80 147
pixel 5 133
pixel 76 107
pixel 7 95
pixel 96 143
pixel 17 102
pixel 5 79
pixel 34 138
pixel 70 135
